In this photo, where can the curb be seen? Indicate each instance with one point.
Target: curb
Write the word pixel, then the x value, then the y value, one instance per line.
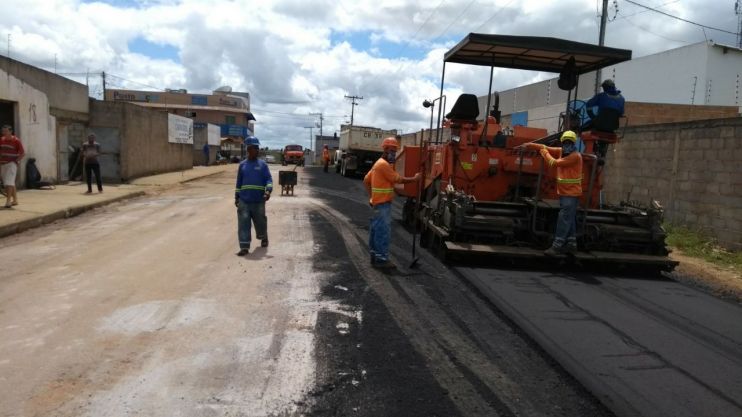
pixel 22 226
pixel 66 213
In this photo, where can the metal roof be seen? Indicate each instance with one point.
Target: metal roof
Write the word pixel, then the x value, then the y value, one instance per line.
pixel 533 53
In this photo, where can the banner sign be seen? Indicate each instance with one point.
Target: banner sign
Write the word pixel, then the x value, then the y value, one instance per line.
pixel 214 133
pixel 179 129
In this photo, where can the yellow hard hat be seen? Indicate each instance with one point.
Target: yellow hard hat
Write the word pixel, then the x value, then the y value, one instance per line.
pixel 568 135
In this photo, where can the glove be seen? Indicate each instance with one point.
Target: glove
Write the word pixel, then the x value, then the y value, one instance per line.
pixel 267 196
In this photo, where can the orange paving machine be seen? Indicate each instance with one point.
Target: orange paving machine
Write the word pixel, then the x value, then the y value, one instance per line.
pixel 483 194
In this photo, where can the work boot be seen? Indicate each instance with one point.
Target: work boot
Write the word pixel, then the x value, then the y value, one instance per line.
pixel 571 246
pixel 264 243
pixel 554 251
pixel 384 264
pixel 243 252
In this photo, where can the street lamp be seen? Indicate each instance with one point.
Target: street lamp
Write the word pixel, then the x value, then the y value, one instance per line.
pixel 431 104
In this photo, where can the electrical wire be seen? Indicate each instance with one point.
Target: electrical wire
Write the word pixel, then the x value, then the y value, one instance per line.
pixel 680 18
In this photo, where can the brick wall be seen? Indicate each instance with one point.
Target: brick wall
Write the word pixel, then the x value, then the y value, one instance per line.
pixel 655 113
pixel 694 169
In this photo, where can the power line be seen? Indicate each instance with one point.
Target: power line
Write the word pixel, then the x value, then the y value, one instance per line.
pixel 680 18
pixel 655 34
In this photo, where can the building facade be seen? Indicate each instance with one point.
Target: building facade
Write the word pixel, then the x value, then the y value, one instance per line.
pixel 48 112
pixel 230 111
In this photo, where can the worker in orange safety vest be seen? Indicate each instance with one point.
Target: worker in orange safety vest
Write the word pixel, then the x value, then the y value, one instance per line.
pixel 326 157
pixel 568 162
pixel 379 184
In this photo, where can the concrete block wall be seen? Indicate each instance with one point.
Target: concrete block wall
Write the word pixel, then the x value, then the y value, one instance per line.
pixel 694 169
pixel 144 146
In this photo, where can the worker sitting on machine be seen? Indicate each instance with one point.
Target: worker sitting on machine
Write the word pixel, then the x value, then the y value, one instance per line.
pixel 568 162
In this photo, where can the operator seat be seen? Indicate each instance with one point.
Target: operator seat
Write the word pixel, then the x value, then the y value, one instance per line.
pixel 465 108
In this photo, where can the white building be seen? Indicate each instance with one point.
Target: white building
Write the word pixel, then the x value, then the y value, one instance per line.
pixel 704 73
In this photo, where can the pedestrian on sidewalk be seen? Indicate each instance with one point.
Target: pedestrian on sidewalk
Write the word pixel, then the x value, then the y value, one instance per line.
pixel 326 157
pixel 379 184
pixel 11 154
pixel 89 152
pixel 254 187
pixel 206 154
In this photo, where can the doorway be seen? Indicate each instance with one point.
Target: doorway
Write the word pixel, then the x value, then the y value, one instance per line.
pixel 7 115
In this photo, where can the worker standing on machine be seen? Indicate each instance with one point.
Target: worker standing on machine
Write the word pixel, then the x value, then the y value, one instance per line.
pixel 568 163
pixel 379 184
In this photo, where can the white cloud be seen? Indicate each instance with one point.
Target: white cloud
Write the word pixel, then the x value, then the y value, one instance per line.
pixel 283 52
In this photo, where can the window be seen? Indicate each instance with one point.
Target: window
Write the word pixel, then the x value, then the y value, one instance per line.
pixel 190 114
pixel 230 120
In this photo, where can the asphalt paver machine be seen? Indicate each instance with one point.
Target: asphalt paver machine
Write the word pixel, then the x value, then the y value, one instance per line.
pixel 482 194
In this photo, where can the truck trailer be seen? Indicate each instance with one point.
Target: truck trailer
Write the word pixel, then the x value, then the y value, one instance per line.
pixel 360 148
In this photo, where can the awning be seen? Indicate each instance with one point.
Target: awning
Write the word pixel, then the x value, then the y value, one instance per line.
pixel 533 53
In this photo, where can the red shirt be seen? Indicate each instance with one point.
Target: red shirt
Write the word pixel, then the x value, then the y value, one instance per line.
pixel 11 150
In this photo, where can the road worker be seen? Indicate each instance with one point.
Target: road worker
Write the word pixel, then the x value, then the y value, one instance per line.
pixel 379 184
pixel 254 187
pixel 326 157
pixel 568 162
pixel 610 104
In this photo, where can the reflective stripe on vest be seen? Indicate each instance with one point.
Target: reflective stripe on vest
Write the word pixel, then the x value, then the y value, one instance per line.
pixel 250 187
pixel 569 180
pixel 382 190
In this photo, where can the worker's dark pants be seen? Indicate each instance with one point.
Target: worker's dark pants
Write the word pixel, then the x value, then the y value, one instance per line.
pixel 380 232
pixel 247 213
pixel 89 170
pixel 327 165
pixel 566 226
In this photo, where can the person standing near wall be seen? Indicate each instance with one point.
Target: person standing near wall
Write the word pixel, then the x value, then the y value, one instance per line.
pixel 89 152
pixel 206 154
pixel 11 154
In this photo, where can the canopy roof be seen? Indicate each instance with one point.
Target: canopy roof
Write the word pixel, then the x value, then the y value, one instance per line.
pixel 533 53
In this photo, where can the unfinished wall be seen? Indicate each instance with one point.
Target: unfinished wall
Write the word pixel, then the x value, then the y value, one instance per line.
pixel 144 146
pixel 33 124
pixel 694 169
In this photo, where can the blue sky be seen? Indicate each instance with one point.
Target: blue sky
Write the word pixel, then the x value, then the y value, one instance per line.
pixel 144 47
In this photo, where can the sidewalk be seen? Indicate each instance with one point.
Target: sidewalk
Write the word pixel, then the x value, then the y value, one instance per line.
pixel 39 207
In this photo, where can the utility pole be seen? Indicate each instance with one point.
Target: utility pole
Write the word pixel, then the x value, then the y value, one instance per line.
pixel 738 12
pixel 353 105
pixel 601 41
pixel 8 45
pixel 310 136
pixel 103 78
pixel 321 118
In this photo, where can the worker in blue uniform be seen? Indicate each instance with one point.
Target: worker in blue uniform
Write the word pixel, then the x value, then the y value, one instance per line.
pixel 254 187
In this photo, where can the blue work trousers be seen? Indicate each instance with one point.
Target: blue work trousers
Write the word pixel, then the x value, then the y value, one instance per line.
pixel 380 232
pixel 566 226
pixel 255 213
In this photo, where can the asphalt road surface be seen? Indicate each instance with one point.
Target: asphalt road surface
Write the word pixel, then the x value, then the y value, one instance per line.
pixel 142 308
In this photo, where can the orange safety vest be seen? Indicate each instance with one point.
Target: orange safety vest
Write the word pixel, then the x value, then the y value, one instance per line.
pixel 325 155
pixel 569 171
pixel 381 179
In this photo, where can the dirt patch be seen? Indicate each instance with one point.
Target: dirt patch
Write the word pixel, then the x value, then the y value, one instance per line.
pixel 720 282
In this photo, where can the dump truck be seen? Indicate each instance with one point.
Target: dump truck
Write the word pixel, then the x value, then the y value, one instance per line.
pixel 485 195
pixel 293 154
pixel 359 149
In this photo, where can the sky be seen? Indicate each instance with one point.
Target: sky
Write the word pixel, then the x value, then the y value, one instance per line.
pixel 297 57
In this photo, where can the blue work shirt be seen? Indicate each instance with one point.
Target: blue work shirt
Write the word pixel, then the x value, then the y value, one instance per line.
pixel 253 180
pixel 608 100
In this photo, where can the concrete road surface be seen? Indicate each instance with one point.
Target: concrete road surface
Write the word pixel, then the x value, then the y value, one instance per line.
pixel 142 308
